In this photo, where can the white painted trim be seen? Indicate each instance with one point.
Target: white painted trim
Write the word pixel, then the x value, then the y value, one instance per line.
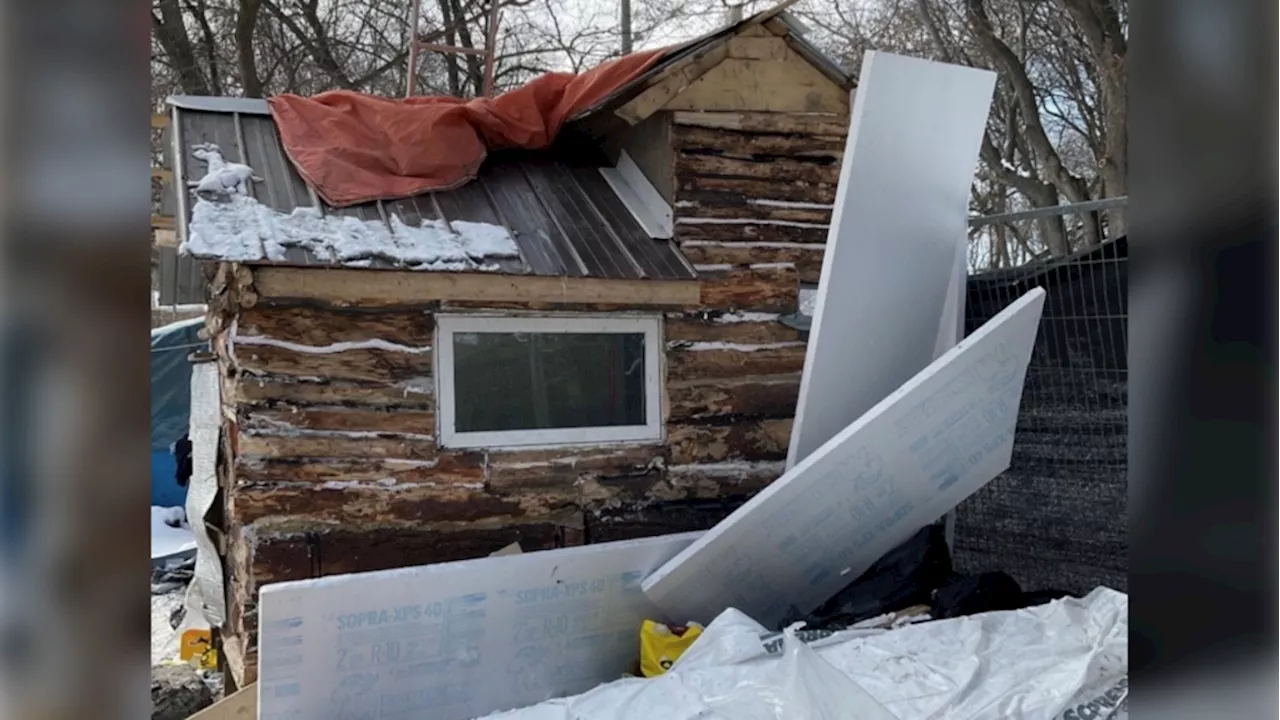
pixel 447 325
pixel 640 197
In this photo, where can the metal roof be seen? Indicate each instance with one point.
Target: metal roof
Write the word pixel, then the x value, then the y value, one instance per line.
pixel 562 213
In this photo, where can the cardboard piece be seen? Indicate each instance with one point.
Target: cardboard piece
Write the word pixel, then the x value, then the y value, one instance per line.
pixel 456 640
pixel 888 302
pixel 911 458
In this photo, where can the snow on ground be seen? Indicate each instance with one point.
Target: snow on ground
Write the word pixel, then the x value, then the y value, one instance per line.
pixel 230 225
pixel 164 639
pixel 170 533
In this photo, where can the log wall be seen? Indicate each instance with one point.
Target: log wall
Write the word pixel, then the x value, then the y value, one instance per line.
pixel 331 462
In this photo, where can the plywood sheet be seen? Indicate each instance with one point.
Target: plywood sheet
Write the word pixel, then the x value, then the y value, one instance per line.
pixel 915 455
pixel 888 299
pixel 456 640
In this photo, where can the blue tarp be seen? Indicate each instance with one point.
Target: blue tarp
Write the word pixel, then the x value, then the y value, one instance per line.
pixel 170 403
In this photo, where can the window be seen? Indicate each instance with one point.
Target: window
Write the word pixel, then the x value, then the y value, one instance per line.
pixel 506 381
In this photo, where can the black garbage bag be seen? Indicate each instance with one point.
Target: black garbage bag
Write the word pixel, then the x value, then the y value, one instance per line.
pixel 182 451
pixel 986 592
pixel 903 577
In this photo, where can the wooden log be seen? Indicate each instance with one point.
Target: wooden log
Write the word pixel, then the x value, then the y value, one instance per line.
pixel 807 257
pixel 821 124
pixel 329 550
pixel 727 479
pixel 752 440
pixel 337 446
pixel 743 210
pixel 744 232
pixel 672 82
pixel 351 419
pixel 316 326
pixel 368 505
pixel 448 471
pixel 273 389
pixel 617 464
pixel 764 397
pixel 764 289
pixel 735 361
pixel 387 288
pixel 694 185
pixel 388 366
pixel 746 145
pixel 817 171
pixel 756 328
pixel 658 518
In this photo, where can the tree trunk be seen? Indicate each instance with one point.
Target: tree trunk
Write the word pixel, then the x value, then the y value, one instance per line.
pixel 625 7
pixel 246 22
pixel 171 32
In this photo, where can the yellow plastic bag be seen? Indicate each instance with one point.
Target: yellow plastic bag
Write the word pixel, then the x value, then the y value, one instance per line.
pixel 661 645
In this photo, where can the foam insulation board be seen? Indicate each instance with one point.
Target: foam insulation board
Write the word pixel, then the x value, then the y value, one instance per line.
pixel 456 640
pixel 887 298
pixel 915 455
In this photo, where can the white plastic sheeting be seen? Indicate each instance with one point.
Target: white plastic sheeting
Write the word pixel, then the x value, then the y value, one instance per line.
pixel 904 464
pixel 1067 660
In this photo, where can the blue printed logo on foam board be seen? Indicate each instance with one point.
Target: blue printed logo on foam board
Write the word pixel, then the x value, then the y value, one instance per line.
pixel 998 368
pixel 354 698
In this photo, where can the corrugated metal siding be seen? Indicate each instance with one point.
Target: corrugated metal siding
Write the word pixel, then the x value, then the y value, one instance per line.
pixel 565 218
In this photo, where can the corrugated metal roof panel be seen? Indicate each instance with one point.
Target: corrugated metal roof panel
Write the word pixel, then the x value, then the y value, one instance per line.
pixel 564 217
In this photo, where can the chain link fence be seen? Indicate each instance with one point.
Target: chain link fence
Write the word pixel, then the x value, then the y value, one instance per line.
pixel 1058 517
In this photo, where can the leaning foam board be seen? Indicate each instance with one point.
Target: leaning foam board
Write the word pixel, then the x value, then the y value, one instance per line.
pixel 915 455
pixel 456 640
pixel 887 300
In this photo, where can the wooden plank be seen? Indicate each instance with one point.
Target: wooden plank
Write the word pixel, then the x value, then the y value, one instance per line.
pixel 807 257
pixel 766 289
pixel 674 81
pixel 701 363
pixel 159 120
pixel 751 440
pixel 775 85
pixel 765 188
pixel 239 705
pixel 750 232
pixel 829 148
pixel 822 124
pixel 315 326
pixel 768 397
pixel 343 287
pixel 825 171
pixel 163 222
pixel 729 328
pixel 359 364
pixel 291 390
pixel 165 174
pixel 402 420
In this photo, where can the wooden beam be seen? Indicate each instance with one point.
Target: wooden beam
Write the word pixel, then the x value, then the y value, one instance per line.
pixel 163 222
pixel 159 120
pixel 675 81
pixel 165 174
pixel 239 705
pixel 344 287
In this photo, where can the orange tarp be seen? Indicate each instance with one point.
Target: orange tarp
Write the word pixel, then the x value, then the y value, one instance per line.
pixel 356 148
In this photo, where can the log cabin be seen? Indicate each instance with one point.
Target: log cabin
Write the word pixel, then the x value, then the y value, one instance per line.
pixel 629 371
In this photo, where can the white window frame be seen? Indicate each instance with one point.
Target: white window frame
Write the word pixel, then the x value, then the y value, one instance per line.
pixel 450 437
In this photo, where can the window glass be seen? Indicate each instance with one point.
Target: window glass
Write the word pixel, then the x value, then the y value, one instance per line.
pixel 537 381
